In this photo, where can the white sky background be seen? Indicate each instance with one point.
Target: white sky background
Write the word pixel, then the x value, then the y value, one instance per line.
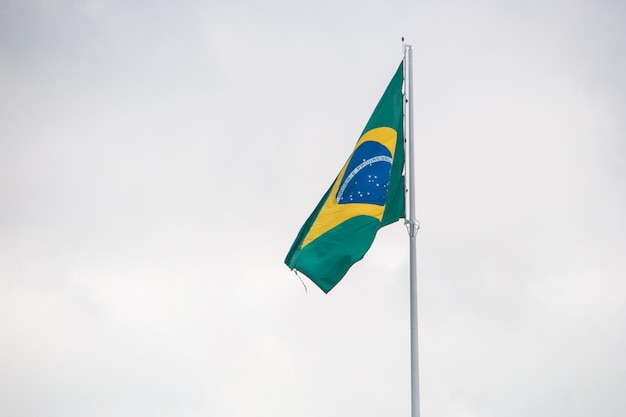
pixel 158 158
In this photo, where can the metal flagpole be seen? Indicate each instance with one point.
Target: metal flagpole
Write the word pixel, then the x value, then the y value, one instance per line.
pixel 412 226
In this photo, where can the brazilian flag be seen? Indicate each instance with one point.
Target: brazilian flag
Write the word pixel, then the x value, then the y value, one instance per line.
pixel 367 194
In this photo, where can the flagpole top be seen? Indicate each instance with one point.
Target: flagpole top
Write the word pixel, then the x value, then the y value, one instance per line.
pixel 405 46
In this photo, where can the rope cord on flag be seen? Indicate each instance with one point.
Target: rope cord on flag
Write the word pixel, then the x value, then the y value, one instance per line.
pixel 303 284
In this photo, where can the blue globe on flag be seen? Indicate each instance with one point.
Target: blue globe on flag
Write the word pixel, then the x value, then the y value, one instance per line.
pixel 366 179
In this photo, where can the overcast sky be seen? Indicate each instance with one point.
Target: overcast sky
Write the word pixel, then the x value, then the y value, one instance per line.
pixel 157 159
